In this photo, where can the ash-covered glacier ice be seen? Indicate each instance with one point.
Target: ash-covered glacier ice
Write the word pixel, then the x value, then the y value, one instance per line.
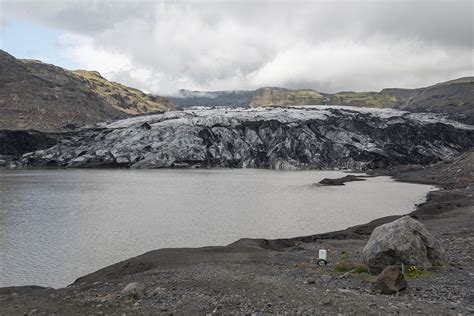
pixel 280 138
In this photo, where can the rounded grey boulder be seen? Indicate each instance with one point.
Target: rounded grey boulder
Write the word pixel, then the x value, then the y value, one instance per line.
pixel 133 290
pixel 404 240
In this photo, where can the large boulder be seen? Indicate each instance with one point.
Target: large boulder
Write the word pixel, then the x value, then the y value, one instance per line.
pixel 404 240
pixel 390 281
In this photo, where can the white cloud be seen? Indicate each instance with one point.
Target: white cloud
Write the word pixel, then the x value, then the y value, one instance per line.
pixel 328 45
pixel 368 65
pixel 84 51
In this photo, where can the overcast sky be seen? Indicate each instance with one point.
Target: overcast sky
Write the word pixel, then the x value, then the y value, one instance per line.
pixel 162 46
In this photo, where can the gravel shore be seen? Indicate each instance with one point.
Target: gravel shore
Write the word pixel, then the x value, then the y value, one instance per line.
pixel 280 276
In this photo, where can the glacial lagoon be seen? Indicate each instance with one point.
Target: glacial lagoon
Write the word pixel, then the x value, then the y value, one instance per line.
pixel 57 225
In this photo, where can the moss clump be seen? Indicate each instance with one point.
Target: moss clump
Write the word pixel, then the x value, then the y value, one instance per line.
pixel 345 265
pixel 369 277
pixel 309 267
pixel 342 267
pixel 345 256
pixel 361 268
pixel 414 272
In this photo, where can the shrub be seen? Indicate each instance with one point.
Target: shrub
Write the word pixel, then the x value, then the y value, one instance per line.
pixel 361 268
pixel 414 272
pixel 343 266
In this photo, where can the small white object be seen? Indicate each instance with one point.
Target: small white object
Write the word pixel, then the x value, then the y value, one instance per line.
pixel 323 254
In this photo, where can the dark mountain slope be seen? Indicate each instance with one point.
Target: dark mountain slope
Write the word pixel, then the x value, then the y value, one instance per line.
pixel 455 97
pixel 231 98
pixel 42 96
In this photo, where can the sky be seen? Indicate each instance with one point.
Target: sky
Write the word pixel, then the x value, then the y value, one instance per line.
pixel 331 45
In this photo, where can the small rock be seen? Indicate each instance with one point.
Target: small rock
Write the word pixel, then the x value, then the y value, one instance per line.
pixel 348 273
pixel 108 298
pixel 346 291
pixel 327 301
pixel 310 281
pixel 145 126
pixel 326 278
pixel 158 290
pixel 134 290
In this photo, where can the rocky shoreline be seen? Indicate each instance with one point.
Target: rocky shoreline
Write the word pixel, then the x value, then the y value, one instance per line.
pixel 279 276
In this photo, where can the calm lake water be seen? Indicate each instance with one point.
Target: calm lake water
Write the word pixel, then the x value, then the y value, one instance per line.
pixel 57 225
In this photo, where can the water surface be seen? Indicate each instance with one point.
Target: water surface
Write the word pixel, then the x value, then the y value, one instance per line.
pixel 57 225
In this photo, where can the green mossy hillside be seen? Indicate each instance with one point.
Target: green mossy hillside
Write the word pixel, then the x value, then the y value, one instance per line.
pixel 132 101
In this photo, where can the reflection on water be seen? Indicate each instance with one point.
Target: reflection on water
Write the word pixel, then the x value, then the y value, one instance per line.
pixel 57 225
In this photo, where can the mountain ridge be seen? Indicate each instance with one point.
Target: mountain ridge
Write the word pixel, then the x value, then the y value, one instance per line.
pixel 453 97
pixel 36 95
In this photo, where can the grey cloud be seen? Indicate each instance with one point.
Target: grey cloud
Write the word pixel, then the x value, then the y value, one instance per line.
pixel 327 45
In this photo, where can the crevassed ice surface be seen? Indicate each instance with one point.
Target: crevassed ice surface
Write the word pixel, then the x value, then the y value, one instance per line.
pixel 209 116
pixel 57 225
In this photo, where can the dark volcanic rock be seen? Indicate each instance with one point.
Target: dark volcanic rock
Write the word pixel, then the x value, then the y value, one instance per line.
pixel 299 138
pixel 20 142
pixel 341 181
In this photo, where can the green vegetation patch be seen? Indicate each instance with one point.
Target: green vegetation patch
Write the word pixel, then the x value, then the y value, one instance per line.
pixel 345 265
pixel 414 272
pixel 366 99
pixel 286 97
pixel 342 267
pixel 123 96
pixel 309 267
pixel 361 268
